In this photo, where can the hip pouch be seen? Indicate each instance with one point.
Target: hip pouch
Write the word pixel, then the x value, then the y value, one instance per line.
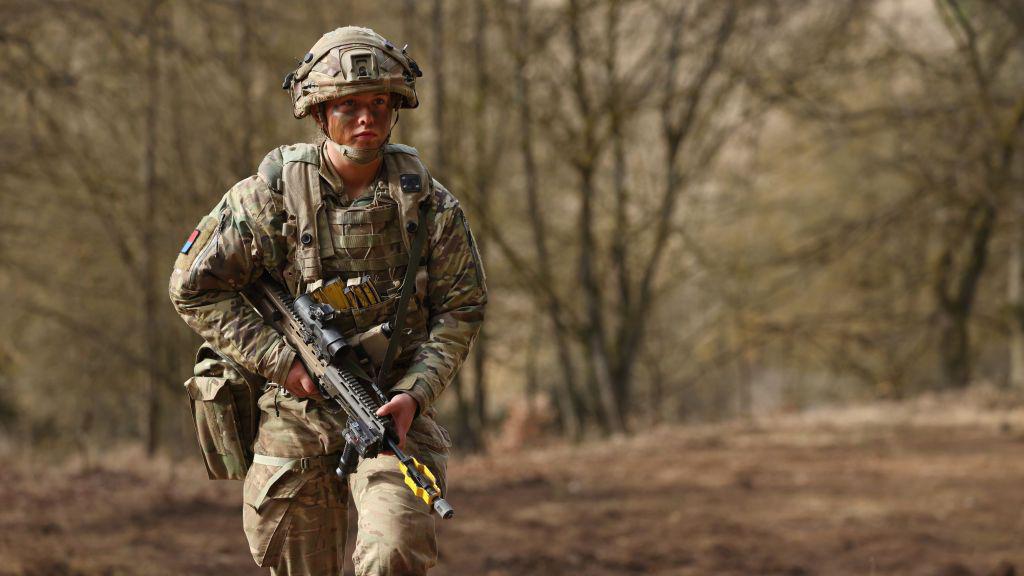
pixel 223 398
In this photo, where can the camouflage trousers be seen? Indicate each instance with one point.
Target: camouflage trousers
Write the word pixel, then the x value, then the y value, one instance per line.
pixel 296 520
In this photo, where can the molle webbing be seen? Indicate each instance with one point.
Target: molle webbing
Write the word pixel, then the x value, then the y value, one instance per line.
pixel 408 287
pixel 356 216
pixel 368 264
pixel 294 171
pixel 389 236
pixel 302 199
pixel 402 163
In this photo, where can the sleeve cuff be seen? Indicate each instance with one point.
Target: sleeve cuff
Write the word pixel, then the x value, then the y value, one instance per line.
pixel 414 387
pixel 279 360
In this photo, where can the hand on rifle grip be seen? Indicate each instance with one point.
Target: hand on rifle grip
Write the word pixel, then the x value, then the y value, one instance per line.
pixel 402 409
pixel 299 383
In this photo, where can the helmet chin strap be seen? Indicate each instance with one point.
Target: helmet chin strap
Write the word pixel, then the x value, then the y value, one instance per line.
pixel 358 155
pixel 362 155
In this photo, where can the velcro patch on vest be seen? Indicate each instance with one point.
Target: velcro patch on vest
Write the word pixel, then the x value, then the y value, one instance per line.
pixel 410 183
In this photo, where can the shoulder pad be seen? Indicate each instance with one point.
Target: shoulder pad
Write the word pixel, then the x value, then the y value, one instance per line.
pixel 308 153
pixel 270 170
pixel 400 148
pixel 272 166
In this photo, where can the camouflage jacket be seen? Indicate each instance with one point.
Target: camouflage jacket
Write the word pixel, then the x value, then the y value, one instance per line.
pixel 243 237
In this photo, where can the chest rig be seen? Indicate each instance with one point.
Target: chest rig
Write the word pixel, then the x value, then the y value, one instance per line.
pixel 360 251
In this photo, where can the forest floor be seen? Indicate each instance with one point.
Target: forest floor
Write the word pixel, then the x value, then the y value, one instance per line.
pixel 931 487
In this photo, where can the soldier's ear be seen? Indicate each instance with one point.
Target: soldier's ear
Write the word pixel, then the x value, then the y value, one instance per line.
pixel 319 117
pixel 319 114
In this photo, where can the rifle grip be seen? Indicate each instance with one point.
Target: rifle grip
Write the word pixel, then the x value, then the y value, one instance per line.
pixel 347 464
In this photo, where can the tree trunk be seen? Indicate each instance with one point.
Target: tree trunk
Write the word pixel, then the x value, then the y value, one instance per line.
pixel 741 366
pixel 594 337
pixel 656 393
pixel 954 348
pixel 569 402
pixel 468 433
pixel 956 291
pixel 1015 285
pixel 465 434
pixel 482 181
pixel 438 163
pixel 148 218
pixel 1015 295
pixel 410 36
pixel 247 125
pixel 680 110
pixel 532 346
pixel 622 379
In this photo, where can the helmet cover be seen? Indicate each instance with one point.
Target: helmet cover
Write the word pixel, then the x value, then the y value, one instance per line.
pixel 352 60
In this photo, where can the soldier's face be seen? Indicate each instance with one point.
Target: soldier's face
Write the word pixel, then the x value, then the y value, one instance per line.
pixel 360 120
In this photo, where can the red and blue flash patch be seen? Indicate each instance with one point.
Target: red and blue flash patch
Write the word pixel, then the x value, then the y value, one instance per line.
pixel 190 241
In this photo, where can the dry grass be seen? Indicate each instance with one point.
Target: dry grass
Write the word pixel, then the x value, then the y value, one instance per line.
pixel 927 487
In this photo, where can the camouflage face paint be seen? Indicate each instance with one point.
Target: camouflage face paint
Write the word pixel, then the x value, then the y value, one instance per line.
pixel 347 119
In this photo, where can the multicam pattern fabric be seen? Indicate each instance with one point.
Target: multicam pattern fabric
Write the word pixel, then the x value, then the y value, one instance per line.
pixel 223 403
pixel 302 527
pixel 299 526
pixel 246 238
pixel 348 61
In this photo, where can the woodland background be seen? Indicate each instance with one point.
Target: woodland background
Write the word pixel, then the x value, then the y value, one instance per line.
pixel 688 211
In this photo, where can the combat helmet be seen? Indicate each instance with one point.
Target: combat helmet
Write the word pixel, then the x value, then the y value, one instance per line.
pixel 351 60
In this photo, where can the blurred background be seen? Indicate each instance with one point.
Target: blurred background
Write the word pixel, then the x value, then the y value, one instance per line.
pixel 698 218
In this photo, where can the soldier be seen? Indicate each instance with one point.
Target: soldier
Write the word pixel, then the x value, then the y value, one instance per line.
pixel 338 218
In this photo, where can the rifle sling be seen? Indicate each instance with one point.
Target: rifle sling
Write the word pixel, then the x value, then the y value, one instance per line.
pixel 408 287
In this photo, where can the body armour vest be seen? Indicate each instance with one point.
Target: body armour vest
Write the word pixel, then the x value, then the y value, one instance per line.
pixel 354 257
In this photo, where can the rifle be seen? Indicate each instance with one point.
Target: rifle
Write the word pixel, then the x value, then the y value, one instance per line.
pixel 344 385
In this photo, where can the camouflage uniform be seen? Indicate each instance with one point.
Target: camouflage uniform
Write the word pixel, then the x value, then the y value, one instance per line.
pixel 296 522
pixel 295 509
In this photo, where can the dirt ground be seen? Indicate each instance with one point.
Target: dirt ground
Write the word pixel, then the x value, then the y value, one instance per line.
pixel 934 487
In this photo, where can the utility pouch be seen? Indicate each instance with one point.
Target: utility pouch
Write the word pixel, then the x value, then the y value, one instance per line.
pixel 224 409
pixel 374 344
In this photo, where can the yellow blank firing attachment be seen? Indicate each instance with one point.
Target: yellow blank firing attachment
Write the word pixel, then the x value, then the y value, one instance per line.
pixel 423 484
pixel 422 493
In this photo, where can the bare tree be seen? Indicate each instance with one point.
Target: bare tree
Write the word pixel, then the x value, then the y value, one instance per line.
pixel 569 401
pixel 150 186
pixel 483 182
